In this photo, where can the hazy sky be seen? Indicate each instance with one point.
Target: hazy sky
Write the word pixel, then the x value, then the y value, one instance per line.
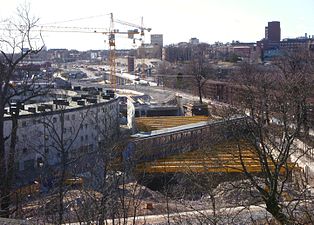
pixel 177 20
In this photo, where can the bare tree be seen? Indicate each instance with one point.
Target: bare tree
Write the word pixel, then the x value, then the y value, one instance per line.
pixel 63 136
pixel 200 69
pixel 276 99
pixel 17 42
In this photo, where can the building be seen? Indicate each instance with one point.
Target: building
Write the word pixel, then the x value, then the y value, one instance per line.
pixel 157 39
pixel 180 52
pixel 246 51
pixel 131 64
pixel 149 52
pixel 194 41
pixel 271 50
pixel 272 46
pixel 296 43
pixel 83 122
pixel 273 31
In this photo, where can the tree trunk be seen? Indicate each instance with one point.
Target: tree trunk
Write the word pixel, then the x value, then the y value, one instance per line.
pixel 200 92
pixel 213 200
pixel 3 189
pixel 102 216
pixel 61 197
pixel 63 171
pixel 273 208
pixel 8 169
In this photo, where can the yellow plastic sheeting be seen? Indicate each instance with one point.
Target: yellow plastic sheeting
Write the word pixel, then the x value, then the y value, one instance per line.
pixel 226 158
pixel 147 124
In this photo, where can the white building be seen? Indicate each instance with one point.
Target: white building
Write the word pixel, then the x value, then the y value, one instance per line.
pixel 74 127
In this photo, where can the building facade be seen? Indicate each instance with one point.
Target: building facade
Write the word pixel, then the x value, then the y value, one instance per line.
pixel 273 31
pixel 131 66
pixel 194 41
pixel 157 39
pixel 47 131
pixel 177 53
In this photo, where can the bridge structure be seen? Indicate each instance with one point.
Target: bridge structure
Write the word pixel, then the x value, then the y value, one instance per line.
pixel 216 146
pixel 171 144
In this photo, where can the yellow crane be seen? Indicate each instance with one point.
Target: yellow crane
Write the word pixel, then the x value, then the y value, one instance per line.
pixel 111 33
pixel 112 43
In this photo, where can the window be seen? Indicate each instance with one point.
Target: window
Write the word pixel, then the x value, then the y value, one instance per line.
pixel 54 119
pixel 29 164
pixel 73 117
pixel 67 117
pixel 86 126
pixel 24 150
pixel 86 137
pixel 24 123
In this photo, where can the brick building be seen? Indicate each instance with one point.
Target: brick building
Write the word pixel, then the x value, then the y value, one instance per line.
pixel 273 31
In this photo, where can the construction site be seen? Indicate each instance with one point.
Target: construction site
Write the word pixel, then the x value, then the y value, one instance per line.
pixel 177 166
pixel 122 144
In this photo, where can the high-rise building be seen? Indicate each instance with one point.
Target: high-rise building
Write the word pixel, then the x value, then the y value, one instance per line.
pixel 157 39
pixel 273 32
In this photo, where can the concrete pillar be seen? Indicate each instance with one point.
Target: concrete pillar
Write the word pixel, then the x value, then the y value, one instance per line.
pixel 180 105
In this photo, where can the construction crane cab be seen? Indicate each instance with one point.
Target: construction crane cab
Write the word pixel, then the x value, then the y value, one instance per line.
pixel 111 35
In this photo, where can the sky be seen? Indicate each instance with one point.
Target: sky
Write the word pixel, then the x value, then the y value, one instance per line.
pixel 177 20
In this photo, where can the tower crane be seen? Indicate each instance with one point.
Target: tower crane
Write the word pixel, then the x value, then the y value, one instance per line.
pixel 111 33
pixel 112 43
pixel 142 29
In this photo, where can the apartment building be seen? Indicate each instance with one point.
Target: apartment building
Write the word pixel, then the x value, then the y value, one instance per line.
pixel 74 126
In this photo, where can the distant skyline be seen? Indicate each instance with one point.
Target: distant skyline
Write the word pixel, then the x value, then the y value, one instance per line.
pixel 177 20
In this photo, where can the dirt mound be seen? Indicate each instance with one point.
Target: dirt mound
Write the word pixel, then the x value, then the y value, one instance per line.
pixel 238 192
pixel 135 190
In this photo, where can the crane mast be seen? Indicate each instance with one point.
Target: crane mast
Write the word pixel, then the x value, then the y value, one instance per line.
pixel 143 75
pixel 112 53
pixel 112 45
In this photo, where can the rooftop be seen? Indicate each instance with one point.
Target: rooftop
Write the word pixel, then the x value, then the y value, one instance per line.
pixel 148 124
pixel 54 106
